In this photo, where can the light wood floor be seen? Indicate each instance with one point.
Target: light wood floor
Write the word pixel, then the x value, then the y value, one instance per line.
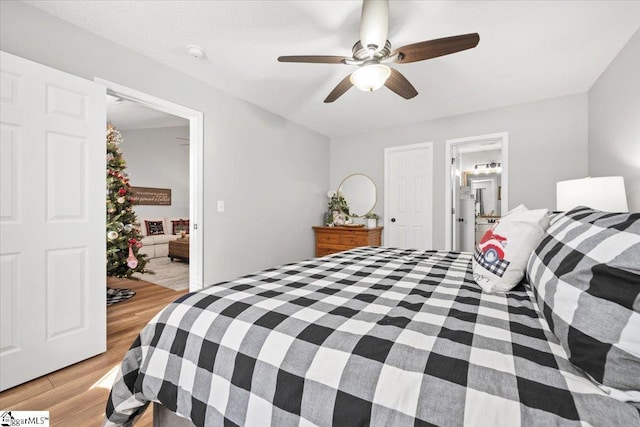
pixel 76 396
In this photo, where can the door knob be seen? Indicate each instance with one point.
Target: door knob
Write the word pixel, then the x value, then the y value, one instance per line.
pixel 393 220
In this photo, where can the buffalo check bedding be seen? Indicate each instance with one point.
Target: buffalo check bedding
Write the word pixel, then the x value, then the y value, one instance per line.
pixel 372 336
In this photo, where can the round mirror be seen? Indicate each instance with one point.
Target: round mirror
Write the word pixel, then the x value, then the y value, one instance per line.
pixel 360 193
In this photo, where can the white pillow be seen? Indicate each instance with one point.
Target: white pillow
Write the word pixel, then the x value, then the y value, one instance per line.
pixel 501 257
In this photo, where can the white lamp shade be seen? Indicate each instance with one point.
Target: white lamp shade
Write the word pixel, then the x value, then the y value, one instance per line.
pixel 370 77
pixel 604 193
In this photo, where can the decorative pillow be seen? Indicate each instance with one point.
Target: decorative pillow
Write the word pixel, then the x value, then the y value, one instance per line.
pixel 154 228
pixel 179 226
pixel 501 257
pixel 585 275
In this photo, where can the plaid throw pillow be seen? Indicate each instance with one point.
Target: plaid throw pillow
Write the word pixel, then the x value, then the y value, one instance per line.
pixel 179 226
pixel 586 277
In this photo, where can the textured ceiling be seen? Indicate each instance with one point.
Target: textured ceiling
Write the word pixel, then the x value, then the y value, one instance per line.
pixel 528 50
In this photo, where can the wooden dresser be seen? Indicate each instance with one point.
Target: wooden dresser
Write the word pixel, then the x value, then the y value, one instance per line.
pixel 336 239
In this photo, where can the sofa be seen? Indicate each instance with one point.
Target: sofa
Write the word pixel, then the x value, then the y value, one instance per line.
pixel 158 232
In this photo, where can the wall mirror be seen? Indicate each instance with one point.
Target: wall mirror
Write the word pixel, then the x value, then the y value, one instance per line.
pixel 360 193
pixel 486 189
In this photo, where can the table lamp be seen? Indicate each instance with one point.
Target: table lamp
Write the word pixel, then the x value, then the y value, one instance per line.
pixel 604 193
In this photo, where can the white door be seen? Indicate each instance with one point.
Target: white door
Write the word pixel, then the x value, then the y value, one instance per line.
pixel 467 225
pixel 455 200
pixel 52 220
pixel 408 216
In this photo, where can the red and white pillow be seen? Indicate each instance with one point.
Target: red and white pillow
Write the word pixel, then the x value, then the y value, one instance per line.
pixel 179 225
pixel 500 259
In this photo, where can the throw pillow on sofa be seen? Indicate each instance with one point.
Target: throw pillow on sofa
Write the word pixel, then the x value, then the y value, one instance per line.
pixel 500 259
pixel 179 225
pixel 585 275
pixel 154 228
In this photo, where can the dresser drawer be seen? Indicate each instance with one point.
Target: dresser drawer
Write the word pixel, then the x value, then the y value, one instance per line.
pixel 354 240
pixel 334 238
pixel 322 250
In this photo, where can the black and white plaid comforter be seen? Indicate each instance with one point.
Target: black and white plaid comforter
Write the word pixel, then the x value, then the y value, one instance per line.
pixel 373 336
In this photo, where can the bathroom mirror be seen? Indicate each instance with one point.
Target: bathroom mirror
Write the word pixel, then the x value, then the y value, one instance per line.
pixel 360 193
pixel 486 189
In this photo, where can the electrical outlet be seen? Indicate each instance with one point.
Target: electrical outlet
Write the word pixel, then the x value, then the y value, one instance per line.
pixel 220 205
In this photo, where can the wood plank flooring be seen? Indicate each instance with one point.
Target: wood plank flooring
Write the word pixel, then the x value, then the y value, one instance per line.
pixel 76 395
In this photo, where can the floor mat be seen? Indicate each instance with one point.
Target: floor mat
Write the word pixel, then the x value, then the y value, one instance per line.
pixel 115 295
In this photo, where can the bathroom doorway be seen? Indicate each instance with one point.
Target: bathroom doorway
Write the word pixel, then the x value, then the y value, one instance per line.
pixel 476 188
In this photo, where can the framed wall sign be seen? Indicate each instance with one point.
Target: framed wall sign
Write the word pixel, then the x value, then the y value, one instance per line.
pixel 151 196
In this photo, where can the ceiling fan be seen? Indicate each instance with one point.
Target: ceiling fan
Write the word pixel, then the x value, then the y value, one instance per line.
pixel 373 51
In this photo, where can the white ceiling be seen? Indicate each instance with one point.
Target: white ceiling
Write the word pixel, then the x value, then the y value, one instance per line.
pixel 124 115
pixel 528 50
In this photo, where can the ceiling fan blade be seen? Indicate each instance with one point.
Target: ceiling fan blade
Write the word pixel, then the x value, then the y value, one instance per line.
pixel 374 23
pixel 314 59
pixel 434 48
pixel 339 90
pixel 400 85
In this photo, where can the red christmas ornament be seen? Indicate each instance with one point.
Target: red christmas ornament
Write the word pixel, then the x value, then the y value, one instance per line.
pixel 122 191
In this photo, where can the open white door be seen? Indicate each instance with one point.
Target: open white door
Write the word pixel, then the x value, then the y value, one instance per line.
pixel 52 220
pixel 408 184
pixel 455 201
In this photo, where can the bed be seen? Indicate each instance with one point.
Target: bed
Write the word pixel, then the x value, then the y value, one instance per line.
pixel 372 336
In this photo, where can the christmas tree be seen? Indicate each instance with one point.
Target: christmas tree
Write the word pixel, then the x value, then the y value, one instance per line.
pixel 123 234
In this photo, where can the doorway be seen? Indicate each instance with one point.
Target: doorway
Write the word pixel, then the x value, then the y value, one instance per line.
pixel 155 147
pixel 194 144
pixel 476 189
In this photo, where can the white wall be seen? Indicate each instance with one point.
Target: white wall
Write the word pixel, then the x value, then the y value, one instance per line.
pixel 614 121
pixel 469 160
pixel 547 143
pixel 272 173
pixel 155 158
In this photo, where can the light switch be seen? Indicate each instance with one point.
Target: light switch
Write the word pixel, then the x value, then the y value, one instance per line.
pixel 220 205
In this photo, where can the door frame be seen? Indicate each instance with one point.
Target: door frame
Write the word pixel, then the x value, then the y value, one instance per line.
pixel 388 150
pixel 196 156
pixel 502 137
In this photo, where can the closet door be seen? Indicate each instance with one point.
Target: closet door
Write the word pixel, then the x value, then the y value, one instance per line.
pixel 408 184
pixel 52 220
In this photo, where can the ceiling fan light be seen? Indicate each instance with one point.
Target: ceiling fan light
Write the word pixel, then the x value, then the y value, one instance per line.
pixel 370 77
